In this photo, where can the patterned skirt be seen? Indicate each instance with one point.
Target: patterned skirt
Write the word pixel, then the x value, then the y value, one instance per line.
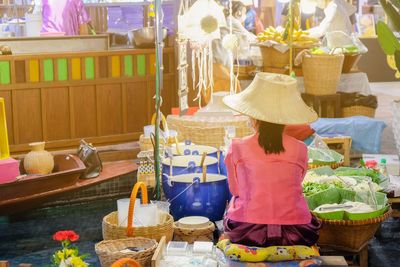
pixel 264 235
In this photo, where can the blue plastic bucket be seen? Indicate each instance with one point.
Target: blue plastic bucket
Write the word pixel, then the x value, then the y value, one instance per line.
pixel 195 150
pixel 191 197
pixel 186 164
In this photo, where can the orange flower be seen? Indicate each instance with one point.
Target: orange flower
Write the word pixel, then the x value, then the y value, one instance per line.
pixel 66 235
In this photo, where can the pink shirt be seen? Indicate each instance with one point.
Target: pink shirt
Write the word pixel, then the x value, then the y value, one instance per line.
pixel 267 189
pixel 63 16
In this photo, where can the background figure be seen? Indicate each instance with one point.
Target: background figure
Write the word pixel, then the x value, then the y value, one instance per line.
pixel 252 23
pixel 339 16
pixel 68 16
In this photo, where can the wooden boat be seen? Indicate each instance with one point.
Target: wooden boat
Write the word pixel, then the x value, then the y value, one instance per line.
pixel 32 190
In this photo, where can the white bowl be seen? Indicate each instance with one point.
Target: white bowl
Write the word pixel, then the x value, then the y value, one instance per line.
pixel 193 222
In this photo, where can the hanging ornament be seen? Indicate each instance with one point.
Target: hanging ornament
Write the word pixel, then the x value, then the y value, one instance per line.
pixel 230 42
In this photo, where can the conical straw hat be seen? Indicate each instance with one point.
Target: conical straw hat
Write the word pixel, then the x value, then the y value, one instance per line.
pixel 272 98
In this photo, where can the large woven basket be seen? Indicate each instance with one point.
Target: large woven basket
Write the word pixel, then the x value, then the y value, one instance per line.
pixel 272 58
pixel 358 111
pixel 109 251
pixel 349 235
pixel 209 131
pixel 111 229
pixel 191 235
pixel 350 61
pixel 322 73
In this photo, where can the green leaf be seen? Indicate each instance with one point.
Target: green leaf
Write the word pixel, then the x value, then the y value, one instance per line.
pixel 386 38
pixel 392 13
pixel 397 59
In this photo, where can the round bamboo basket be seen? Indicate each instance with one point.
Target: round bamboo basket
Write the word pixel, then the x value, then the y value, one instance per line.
pixel 112 231
pixel 191 235
pixel 349 235
pixel 358 111
pixel 109 251
pixel 322 73
pixel 350 61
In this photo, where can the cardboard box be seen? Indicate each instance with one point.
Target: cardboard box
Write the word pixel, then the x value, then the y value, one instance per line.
pixel 392 162
pixel 9 170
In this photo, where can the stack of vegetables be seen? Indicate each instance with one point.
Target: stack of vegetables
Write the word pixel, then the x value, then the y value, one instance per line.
pixel 345 193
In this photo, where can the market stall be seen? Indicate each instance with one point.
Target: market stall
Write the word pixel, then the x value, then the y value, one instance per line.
pixel 239 174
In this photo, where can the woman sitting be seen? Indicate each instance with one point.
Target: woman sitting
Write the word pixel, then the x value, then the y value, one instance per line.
pixel 266 170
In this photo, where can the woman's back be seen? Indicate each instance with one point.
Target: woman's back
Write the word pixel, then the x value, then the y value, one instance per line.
pixel 267 187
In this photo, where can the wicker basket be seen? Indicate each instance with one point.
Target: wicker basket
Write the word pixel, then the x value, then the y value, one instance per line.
pixel 332 165
pixel 209 131
pixel 146 144
pixel 109 251
pixel 272 58
pixel 191 235
pixel 111 229
pixel 321 73
pixel 350 60
pixel 358 111
pixel 349 235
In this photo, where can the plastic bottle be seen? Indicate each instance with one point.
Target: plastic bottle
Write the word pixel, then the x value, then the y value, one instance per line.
pixel 382 166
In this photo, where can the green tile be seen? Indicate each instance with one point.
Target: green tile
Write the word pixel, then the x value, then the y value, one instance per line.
pixel 48 70
pixel 141 65
pixel 128 66
pixel 62 66
pixel 89 68
pixel 5 76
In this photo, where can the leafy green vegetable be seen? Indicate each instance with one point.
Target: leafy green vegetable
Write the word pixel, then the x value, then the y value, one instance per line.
pixel 375 176
pixel 310 188
pixel 350 49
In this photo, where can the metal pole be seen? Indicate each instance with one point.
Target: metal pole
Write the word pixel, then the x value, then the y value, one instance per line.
pixel 159 86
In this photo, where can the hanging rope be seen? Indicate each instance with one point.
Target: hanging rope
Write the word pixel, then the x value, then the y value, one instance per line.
pixel 231 72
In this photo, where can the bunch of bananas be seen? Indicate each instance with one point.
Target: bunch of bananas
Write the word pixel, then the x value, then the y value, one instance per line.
pixel 300 38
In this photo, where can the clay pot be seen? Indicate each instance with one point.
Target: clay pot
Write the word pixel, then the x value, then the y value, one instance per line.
pixel 38 161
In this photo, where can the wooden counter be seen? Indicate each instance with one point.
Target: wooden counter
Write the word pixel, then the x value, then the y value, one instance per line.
pixel 105 97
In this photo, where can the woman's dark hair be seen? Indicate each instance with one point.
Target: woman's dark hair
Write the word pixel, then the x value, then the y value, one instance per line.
pixel 236 7
pixel 270 137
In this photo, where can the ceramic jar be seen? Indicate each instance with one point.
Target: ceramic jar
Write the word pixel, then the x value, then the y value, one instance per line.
pixel 38 161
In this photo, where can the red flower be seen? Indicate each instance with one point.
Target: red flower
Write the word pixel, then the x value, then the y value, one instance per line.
pixel 66 235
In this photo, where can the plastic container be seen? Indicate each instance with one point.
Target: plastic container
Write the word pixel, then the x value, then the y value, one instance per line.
pixel 185 164
pixel 33 24
pixel 189 196
pixel 382 167
pixel 195 150
pixel 123 205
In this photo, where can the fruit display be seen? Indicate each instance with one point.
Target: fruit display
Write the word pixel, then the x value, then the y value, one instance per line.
pixel 347 49
pixel 278 35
